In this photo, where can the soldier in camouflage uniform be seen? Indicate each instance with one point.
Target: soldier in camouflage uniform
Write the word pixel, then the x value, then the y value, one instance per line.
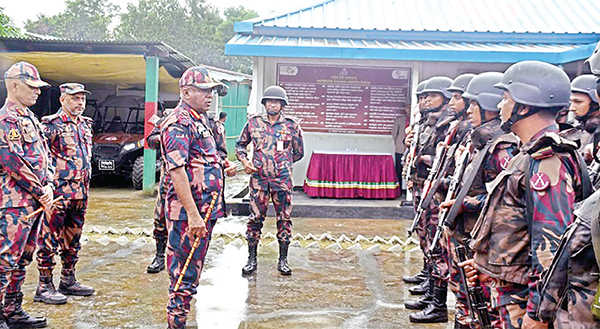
pixel 484 117
pixel 417 278
pixel 584 104
pixel 278 143
pixel 69 136
pixel 452 123
pixel 435 102
pixel 26 179
pixel 530 203
pixel 195 171
pixel 568 288
pixel 567 292
pixel 218 129
pixel 160 233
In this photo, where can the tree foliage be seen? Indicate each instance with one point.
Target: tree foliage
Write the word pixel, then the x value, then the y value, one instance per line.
pixel 82 19
pixel 193 27
pixel 7 29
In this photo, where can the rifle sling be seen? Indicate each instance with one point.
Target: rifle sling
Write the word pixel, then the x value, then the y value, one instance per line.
pixel 468 182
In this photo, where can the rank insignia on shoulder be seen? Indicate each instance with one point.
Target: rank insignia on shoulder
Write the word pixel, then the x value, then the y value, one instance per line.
pixel 543 153
pixel 14 135
pixel 540 181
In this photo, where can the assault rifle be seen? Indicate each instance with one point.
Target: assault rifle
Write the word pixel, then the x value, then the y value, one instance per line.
pixel 475 297
pixel 440 156
pixel 455 181
pixel 411 158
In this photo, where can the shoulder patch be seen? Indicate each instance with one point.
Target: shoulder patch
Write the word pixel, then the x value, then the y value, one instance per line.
pixel 540 181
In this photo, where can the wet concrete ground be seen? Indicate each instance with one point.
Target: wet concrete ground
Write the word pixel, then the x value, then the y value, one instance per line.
pixel 336 281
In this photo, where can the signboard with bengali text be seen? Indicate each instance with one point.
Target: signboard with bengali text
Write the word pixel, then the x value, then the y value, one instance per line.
pixel 345 99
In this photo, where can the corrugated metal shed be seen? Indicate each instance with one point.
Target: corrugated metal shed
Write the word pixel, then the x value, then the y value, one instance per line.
pixel 505 31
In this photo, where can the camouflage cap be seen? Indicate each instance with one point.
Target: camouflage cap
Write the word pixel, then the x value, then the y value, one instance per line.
pixel 198 77
pixel 73 88
pixel 27 73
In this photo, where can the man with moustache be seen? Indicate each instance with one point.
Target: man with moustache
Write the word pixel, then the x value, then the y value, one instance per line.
pixel 69 137
pixel 195 170
pixel 278 143
pixel 26 179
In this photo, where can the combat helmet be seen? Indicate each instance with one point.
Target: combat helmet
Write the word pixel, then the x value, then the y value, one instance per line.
pixel 594 60
pixel 461 82
pixel 420 88
pixel 438 85
pixel 481 89
pixel 536 84
pixel 274 92
pixel 585 84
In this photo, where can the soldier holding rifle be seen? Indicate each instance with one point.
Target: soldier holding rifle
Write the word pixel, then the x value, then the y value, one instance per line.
pixel 493 151
pixel 454 128
pixel 530 203
pixel 195 168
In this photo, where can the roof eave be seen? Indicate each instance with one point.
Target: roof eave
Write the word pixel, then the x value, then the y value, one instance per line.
pixel 426 55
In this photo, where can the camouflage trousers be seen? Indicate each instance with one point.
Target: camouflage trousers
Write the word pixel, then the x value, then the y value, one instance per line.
pixel 510 300
pixel 160 216
pixel 259 201
pixel 178 249
pixel 439 256
pixel 421 228
pixel 63 229
pixel 457 286
pixel 18 238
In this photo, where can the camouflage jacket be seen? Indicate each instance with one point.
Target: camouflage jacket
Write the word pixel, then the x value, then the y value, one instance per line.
pixel 503 245
pixel 188 142
pixel 154 143
pixel 572 279
pixel 25 166
pixel 497 158
pixel 218 129
pixel 70 145
pixel 276 148
pixel 429 137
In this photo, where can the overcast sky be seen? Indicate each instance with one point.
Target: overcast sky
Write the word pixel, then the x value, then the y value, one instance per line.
pixel 21 10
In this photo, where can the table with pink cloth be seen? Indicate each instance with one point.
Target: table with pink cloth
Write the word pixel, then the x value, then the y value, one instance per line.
pixel 351 174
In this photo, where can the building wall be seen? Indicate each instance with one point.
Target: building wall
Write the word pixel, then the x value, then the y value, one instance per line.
pixel 264 75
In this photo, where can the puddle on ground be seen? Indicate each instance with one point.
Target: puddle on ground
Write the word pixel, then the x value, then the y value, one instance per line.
pixel 328 288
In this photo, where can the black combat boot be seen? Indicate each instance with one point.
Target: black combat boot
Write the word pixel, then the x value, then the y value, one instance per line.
pixel 282 265
pixel 70 286
pixel 419 289
pixel 436 311
pixel 46 292
pixel 251 265
pixel 421 303
pixel 158 264
pixel 417 278
pixel 16 317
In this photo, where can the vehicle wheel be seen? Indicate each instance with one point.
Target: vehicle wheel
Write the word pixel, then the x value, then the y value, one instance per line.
pixel 137 174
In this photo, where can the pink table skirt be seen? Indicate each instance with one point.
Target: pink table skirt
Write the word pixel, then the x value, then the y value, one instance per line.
pixel 347 175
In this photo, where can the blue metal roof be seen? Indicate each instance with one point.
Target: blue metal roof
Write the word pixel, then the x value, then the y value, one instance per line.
pixel 533 16
pixel 426 30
